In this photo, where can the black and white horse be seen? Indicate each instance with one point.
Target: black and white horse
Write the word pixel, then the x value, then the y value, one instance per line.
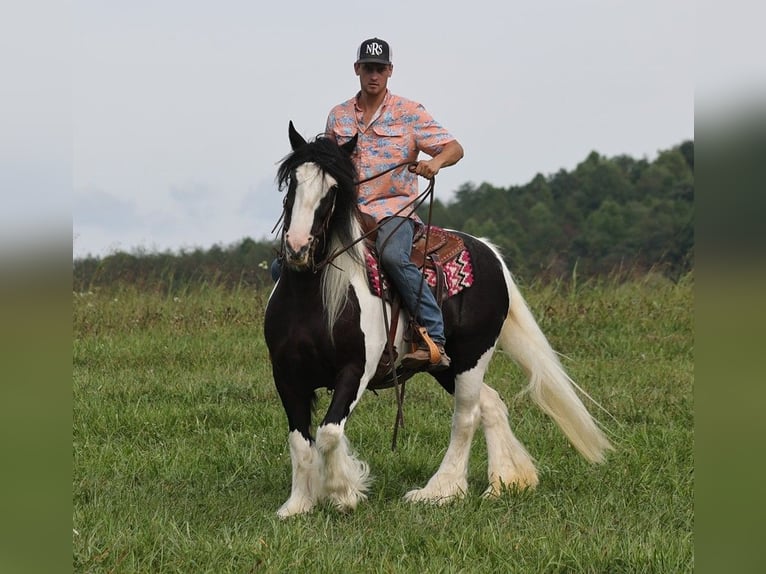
pixel 325 329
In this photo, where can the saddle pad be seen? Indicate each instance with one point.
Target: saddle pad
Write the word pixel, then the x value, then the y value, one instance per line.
pixel 458 273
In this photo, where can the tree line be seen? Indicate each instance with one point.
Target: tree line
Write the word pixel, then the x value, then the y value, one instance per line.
pixel 617 215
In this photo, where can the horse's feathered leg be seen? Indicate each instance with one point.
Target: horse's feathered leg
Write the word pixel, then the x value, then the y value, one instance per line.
pixel 451 480
pixel 509 465
pixel 304 491
pixel 345 479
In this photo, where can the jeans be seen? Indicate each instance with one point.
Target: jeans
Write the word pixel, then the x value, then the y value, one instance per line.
pixel 276 270
pixel 397 234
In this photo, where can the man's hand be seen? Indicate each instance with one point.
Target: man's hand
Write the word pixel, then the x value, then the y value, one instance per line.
pixel 450 155
pixel 428 168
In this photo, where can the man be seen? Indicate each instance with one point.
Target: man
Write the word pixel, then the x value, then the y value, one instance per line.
pixel 393 130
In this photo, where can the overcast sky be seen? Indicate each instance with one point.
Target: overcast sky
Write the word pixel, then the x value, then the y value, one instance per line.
pixel 179 109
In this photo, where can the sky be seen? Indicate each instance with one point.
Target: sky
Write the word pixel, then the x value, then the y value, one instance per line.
pixel 174 114
pixel 180 108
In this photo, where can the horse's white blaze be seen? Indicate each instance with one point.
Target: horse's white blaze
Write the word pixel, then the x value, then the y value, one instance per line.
pixel 305 487
pixel 312 185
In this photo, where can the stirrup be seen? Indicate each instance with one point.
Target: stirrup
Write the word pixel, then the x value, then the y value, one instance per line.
pixel 433 350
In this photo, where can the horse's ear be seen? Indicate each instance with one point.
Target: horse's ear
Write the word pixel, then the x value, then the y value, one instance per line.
pixel 296 139
pixel 349 146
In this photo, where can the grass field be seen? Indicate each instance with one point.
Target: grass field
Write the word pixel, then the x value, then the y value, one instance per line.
pixel 181 458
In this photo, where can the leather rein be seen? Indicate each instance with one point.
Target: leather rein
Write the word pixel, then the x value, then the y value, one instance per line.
pixel 415 203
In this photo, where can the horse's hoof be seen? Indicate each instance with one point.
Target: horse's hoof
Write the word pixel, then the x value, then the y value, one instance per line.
pixel 423 495
pixel 291 508
pixel 346 502
pixel 499 487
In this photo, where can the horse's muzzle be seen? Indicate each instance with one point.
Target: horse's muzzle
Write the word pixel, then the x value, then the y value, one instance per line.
pixel 303 264
pixel 299 258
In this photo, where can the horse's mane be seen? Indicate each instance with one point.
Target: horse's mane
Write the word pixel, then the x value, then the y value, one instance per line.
pixel 344 225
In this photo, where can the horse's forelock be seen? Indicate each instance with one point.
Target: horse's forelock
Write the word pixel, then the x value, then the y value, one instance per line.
pixel 334 161
pixel 326 154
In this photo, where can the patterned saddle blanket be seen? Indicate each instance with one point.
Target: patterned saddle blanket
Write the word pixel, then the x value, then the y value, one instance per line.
pixel 447 265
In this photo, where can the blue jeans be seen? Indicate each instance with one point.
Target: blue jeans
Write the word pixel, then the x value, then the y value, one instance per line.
pixel 276 270
pixel 397 234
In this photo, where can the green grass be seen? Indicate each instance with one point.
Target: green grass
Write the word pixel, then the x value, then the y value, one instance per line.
pixel 181 458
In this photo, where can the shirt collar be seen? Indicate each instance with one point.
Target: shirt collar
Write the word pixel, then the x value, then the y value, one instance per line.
pixel 383 104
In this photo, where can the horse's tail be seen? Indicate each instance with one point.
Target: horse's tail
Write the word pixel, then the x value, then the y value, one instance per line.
pixel 549 385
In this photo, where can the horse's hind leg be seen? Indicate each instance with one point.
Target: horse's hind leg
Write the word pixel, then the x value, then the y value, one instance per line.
pixel 509 464
pixel 451 480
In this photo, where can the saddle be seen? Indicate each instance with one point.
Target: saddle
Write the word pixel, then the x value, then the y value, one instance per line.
pixel 433 249
pixel 445 262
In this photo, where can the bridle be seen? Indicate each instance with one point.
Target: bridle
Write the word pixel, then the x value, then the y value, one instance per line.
pixel 315 239
pixel 414 204
pixel 322 233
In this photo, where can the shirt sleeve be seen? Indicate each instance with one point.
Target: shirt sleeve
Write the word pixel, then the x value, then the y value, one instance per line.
pixel 430 135
pixel 329 132
pixel 341 124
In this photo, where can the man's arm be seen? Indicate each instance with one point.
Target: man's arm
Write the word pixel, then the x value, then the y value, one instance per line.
pixel 450 155
pixel 328 132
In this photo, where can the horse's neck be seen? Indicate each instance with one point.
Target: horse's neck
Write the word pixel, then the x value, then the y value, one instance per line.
pixel 357 225
pixel 338 277
pixel 304 287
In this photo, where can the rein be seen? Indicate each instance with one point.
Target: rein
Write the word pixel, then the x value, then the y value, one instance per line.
pixel 415 203
pixel 419 199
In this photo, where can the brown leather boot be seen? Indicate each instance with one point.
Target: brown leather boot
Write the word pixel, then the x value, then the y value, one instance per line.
pixel 420 359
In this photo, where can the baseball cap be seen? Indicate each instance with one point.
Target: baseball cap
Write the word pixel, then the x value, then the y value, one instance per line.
pixel 374 50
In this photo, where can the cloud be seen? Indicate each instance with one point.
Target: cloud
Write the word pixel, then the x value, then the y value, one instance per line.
pixel 180 110
pixel 99 209
pixel 262 206
pixel 195 200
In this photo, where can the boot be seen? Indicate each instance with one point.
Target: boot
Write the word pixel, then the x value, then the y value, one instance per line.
pixel 420 359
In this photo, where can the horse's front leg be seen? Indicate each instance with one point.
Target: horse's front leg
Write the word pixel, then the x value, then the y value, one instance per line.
pixel 451 480
pixel 306 482
pixel 345 479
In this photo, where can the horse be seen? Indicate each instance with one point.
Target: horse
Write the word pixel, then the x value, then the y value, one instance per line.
pixel 324 328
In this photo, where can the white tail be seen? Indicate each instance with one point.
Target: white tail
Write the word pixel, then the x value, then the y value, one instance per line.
pixel 549 385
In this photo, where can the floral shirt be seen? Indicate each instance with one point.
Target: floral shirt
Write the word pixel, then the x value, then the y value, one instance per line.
pixel 398 131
